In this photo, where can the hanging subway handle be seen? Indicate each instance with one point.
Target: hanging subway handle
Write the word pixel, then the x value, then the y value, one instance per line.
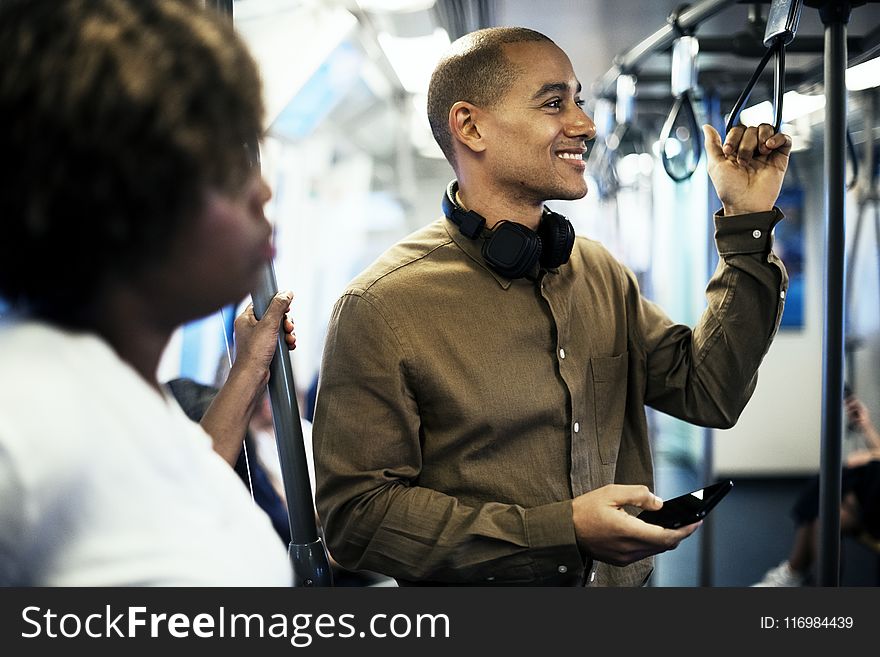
pixel 683 106
pixel 782 23
pixel 684 80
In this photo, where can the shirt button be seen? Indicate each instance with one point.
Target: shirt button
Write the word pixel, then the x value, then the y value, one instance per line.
pixel 490 579
pixel 756 234
pixel 782 294
pixel 562 354
pixel 577 427
pixel 563 569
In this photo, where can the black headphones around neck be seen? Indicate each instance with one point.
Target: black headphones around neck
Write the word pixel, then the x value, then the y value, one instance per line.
pixel 512 249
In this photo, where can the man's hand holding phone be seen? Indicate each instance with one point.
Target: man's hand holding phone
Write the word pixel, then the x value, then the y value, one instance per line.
pixel 608 533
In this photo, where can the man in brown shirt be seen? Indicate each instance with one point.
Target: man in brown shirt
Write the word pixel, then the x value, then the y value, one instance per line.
pixel 480 418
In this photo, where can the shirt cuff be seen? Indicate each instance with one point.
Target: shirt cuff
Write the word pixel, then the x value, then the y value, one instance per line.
pixel 746 233
pixel 552 541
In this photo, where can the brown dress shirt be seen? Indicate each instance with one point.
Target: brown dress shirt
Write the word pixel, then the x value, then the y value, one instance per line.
pixel 459 412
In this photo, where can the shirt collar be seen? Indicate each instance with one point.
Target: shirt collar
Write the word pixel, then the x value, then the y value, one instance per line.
pixel 473 249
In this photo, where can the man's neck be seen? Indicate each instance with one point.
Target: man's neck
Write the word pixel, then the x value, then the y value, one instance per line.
pixel 495 205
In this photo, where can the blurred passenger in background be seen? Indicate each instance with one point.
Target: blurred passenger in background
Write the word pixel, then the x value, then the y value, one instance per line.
pixel 258 465
pixel 250 466
pixel 859 507
pixel 128 206
pixel 481 411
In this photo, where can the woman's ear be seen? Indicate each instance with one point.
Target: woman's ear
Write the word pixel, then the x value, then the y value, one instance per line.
pixel 464 126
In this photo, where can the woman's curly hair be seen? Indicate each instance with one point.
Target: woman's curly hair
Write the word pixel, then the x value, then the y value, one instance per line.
pixel 116 116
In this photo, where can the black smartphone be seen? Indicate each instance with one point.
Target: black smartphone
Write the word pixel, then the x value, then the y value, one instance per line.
pixel 689 508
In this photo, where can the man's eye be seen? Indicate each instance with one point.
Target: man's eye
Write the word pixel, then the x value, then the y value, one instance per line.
pixel 554 104
pixel 580 102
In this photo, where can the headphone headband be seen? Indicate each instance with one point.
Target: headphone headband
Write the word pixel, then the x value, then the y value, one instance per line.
pixel 469 223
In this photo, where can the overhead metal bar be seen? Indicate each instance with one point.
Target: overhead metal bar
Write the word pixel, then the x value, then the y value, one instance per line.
pixel 868 47
pixel 713 74
pixel 627 62
pixel 860 48
pixel 747 45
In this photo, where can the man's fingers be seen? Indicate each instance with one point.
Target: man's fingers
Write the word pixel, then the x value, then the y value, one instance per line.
pixel 745 143
pixel 731 142
pixel 713 143
pixel 780 143
pixel 676 536
pixel 765 132
pixel 638 496
pixel 747 146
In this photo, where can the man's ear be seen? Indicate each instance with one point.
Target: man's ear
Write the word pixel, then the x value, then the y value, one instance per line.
pixel 464 126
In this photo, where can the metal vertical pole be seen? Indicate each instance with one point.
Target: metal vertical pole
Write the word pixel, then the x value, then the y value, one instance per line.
pixel 306 550
pixel 706 546
pixel 308 557
pixel 712 105
pixel 835 16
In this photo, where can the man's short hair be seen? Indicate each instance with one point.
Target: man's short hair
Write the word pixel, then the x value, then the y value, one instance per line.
pixel 117 117
pixel 475 70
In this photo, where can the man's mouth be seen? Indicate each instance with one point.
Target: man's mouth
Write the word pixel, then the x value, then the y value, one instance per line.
pixel 576 158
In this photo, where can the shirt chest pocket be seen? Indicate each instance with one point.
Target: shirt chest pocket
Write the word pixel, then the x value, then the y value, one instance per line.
pixel 609 398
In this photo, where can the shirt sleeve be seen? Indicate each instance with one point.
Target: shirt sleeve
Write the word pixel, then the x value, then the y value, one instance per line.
pixel 707 375
pixel 366 439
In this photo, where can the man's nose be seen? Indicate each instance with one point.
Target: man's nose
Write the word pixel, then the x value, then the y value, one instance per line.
pixel 580 125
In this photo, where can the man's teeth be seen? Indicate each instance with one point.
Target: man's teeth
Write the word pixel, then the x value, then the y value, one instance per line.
pixel 570 156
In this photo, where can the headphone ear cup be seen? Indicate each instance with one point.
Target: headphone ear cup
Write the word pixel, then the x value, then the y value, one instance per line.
pixel 557 237
pixel 513 250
